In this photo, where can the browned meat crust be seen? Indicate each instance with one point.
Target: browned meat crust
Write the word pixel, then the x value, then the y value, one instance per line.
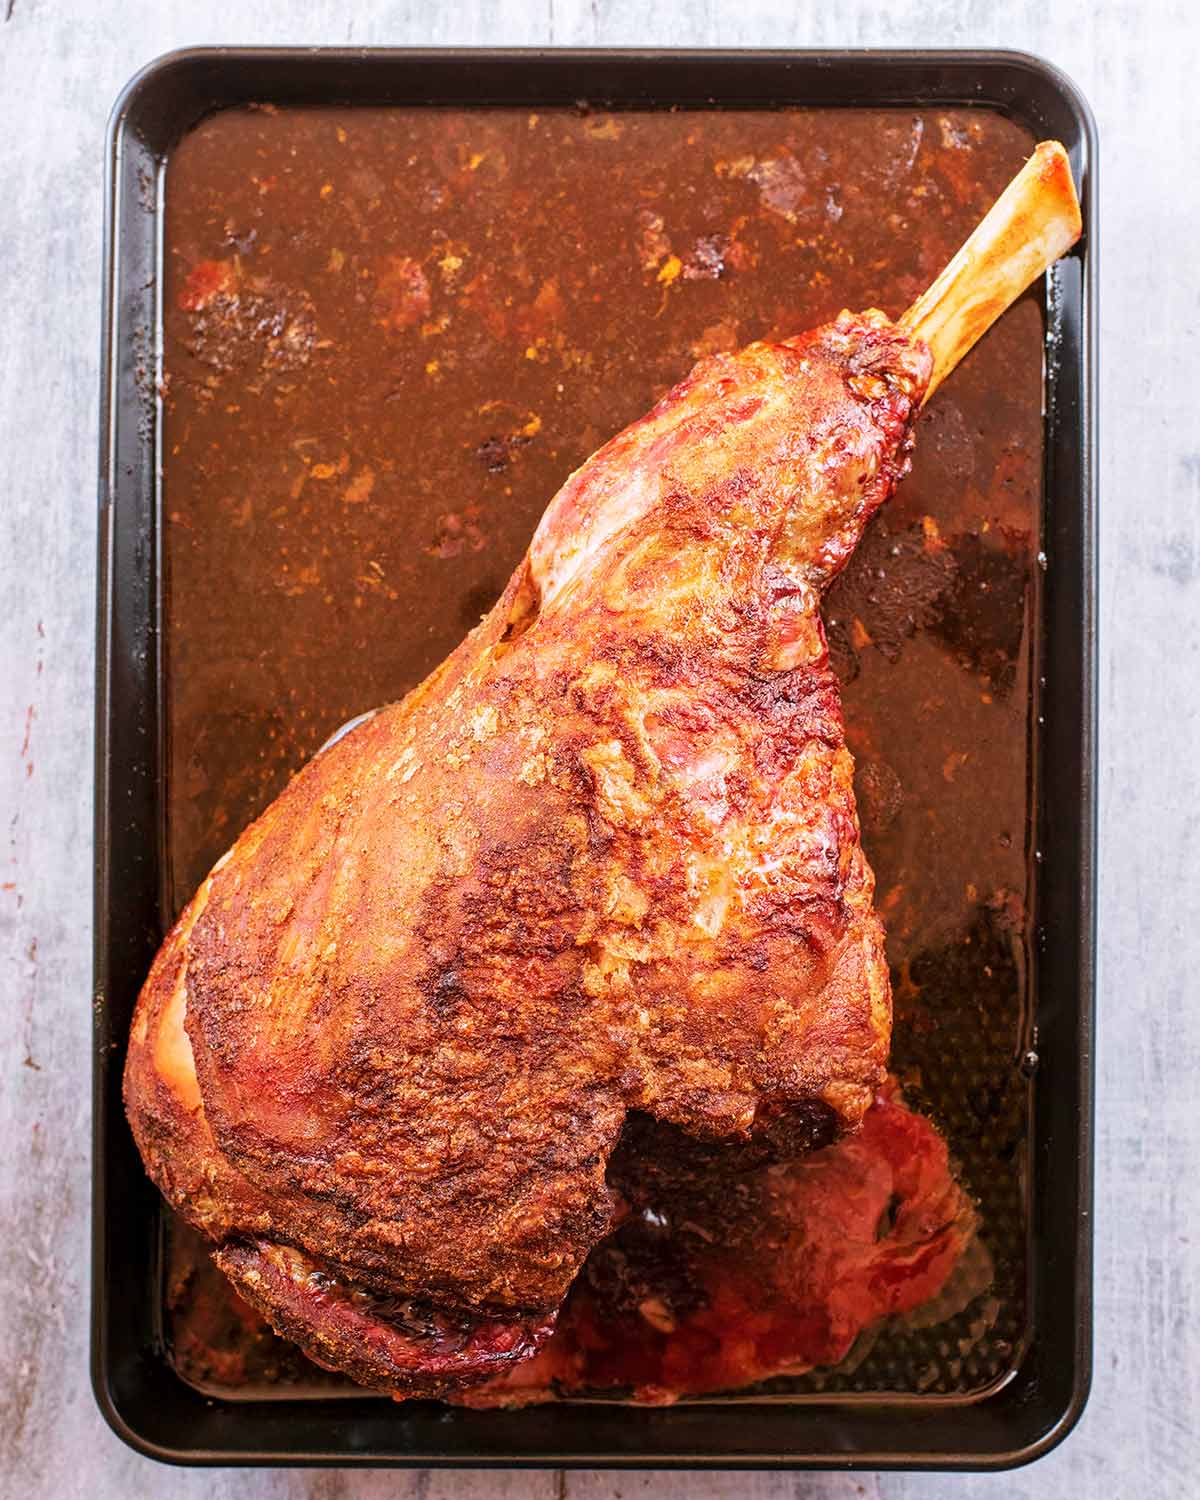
pixel 605 859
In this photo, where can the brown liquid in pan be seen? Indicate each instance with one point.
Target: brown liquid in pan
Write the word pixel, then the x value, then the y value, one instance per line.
pixel 439 314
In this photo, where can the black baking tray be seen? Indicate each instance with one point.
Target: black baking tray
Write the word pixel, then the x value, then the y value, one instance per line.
pixel 137 1388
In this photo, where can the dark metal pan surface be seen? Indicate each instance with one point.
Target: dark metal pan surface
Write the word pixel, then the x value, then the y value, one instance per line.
pixel 761 192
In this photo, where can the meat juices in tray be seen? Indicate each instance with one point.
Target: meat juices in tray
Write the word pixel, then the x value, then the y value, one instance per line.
pixel 777 1095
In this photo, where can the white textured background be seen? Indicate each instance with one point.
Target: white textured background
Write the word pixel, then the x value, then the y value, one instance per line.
pixel 61 64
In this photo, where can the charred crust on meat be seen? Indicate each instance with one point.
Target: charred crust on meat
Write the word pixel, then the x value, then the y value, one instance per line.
pixel 598 877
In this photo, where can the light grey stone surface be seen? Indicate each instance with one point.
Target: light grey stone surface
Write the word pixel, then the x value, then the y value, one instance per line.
pixel 61 64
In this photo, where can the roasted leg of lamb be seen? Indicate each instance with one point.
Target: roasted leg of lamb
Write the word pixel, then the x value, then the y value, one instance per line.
pixel 602 866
